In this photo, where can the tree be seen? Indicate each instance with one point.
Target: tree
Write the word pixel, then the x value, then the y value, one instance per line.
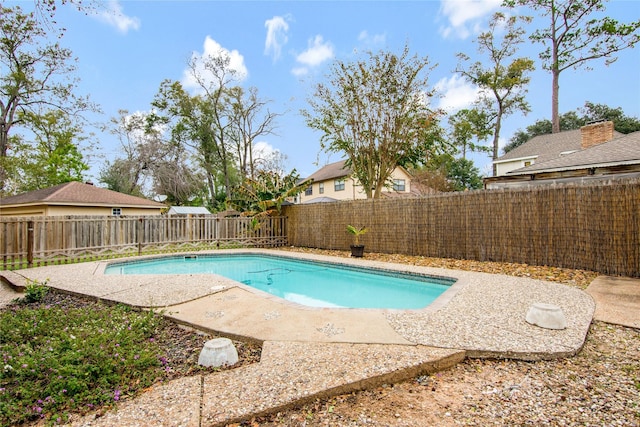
pixel 375 111
pixel 35 76
pixel 265 194
pixel 503 86
pixel 219 123
pixel 250 121
pixel 122 175
pixel 174 179
pixel 621 122
pixel 467 125
pixel 574 38
pixel 54 157
pixel 151 164
pixel 142 148
pixel 463 175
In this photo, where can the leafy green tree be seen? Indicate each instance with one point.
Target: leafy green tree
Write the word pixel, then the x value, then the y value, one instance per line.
pixel 35 75
pixel 621 122
pixel 54 157
pixel 468 125
pixel 265 194
pixel 574 38
pixel 464 175
pixel 503 81
pixel 375 111
pixel 446 173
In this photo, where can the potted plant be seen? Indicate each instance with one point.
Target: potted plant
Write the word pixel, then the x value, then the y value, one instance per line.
pixel 357 250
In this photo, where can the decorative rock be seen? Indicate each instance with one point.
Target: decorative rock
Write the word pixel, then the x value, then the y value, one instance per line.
pixel 547 316
pixel 218 352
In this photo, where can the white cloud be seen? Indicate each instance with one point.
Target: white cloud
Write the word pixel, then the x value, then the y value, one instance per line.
pixel 264 150
pixel 456 93
pixel 465 16
pixel 300 71
pixel 213 49
pixel 277 28
pixel 318 51
pixel 372 39
pixel 114 17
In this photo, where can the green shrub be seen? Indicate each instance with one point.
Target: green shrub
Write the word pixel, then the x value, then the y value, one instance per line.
pixel 35 291
pixel 60 360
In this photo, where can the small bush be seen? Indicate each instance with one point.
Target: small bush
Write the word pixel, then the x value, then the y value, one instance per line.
pixel 35 291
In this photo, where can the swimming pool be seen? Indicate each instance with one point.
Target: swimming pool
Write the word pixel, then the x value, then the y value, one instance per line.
pixel 310 283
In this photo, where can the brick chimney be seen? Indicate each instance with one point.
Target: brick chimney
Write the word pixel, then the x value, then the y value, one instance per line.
pixel 596 133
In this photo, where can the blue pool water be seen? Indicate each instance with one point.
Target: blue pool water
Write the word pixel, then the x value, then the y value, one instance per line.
pixel 310 283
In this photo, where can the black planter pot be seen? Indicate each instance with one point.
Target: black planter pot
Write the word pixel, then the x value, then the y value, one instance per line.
pixel 357 251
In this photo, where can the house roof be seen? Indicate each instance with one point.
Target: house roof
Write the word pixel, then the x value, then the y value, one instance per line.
pixel 330 171
pixel 549 146
pixel 78 193
pixel 189 210
pixel 624 150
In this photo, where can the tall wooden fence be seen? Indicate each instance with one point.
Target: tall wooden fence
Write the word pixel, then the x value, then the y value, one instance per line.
pixel 44 240
pixel 593 227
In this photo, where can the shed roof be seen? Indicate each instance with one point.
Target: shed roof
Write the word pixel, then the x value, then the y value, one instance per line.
pixel 188 210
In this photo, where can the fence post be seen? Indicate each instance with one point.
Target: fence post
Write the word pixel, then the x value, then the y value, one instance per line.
pixel 30 243
pixel 140 232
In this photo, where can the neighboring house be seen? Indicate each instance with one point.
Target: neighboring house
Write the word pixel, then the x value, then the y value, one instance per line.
pixel 77 198
pixel 542 148
pixel 334 182
pixel 188 210
pixel 603 154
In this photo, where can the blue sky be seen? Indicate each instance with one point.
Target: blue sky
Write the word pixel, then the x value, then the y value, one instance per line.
pixel 128 48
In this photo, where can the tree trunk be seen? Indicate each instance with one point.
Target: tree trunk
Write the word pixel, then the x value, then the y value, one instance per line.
pixel 555 71
pixel 555 115
pixel 496 140
pixel 4 146
pixel 4 140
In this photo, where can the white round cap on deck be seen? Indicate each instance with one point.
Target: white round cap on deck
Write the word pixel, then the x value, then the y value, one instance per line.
pixel 547 316
pixel 218 352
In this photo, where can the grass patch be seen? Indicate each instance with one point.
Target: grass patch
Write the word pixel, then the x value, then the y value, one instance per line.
pixel 57 360
pixel 64 355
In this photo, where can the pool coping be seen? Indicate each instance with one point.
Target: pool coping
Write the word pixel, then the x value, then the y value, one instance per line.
pixel 227 283
pixel 482 314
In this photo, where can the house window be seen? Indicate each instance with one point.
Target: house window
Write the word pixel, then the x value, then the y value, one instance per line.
pixel 398 185
pixel 338 185
pixel 116 211
pixel 321 188
pixel 309 191
pixel 527 163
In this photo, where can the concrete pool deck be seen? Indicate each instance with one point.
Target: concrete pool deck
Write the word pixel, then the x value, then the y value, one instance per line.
pixel 317 352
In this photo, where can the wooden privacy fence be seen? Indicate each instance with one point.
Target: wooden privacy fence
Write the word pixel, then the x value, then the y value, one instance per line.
pixel 45 240
pixel 592 227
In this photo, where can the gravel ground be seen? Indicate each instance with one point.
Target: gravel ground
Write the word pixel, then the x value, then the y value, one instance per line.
pixel 598 387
